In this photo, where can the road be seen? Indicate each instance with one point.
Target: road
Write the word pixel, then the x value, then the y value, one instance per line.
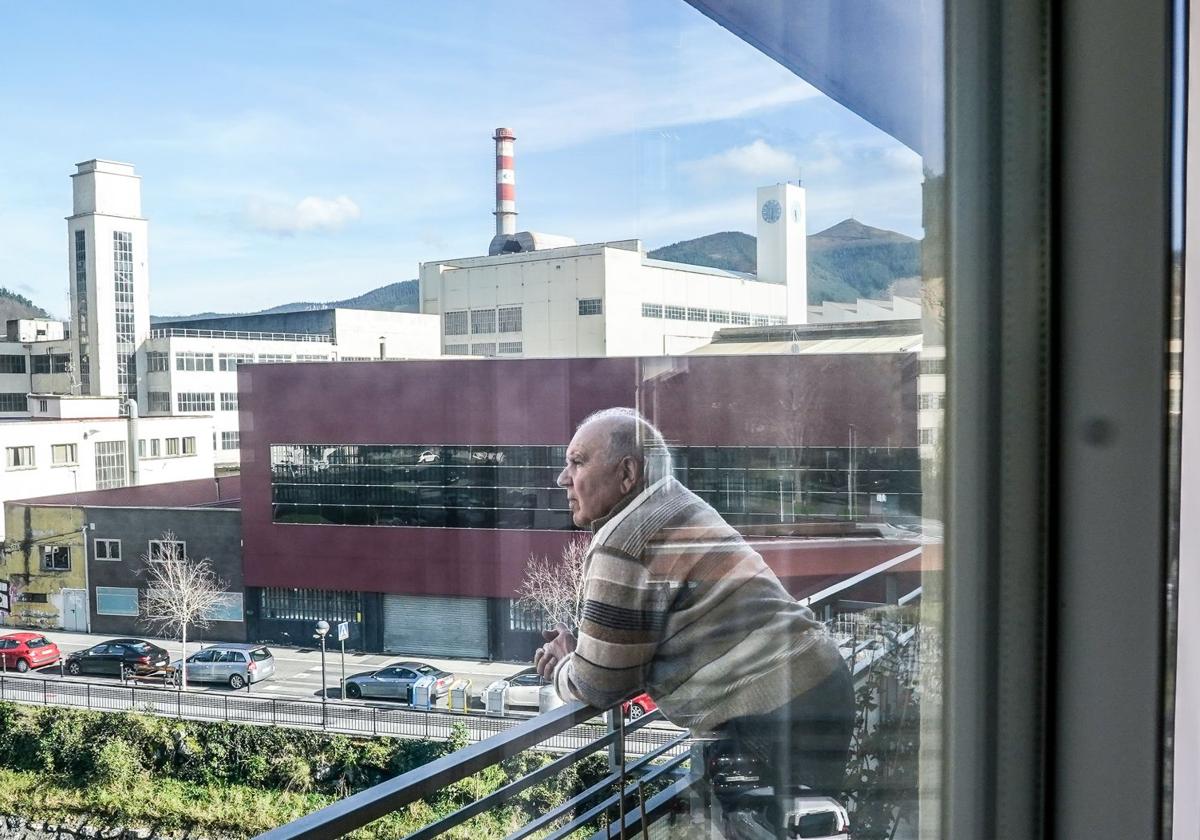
pixel 297 671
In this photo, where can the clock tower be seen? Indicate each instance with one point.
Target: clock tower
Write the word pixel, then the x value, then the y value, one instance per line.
pixel 783 246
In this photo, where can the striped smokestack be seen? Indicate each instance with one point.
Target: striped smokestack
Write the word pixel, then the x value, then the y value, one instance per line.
pixel 506 182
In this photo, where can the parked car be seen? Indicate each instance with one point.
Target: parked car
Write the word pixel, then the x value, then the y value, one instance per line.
pixel 233 663
pixel 524 689
pixel 118 657
pixel 22 651
pixel 395 681
pixel 635 707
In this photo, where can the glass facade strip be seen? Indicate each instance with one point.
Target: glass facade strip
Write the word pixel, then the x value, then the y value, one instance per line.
pixel 514 487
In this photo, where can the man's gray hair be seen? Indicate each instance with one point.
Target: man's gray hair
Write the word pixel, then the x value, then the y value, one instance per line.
pixel 636 437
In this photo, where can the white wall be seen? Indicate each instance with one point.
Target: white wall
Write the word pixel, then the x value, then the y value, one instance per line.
pixel 405 334
pixel 45 478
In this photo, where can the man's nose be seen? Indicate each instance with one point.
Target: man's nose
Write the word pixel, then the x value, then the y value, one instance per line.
pixel 562 481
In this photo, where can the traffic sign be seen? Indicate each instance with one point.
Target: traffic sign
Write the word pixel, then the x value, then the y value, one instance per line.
pixel 343 631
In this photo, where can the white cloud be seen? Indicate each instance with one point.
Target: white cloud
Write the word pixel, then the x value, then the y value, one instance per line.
pixel 755 160
pixel 309 214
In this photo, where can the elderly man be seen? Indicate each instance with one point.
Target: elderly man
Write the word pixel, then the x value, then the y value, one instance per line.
pixel 676 604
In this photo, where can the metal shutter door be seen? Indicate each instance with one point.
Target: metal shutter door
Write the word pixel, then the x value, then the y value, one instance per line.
pixel 432 626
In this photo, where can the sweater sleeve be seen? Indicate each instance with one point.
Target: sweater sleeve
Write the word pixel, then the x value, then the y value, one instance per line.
pixel 624 614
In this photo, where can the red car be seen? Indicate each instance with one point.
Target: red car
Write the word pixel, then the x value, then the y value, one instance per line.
pixel 638 706
pixel 22 651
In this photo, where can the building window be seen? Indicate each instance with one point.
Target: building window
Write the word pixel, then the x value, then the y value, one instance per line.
pixel 189 446
pixel 311 605
pixel 510 347
pixel 157 361
pixel 142 448
pixel 675 313
pixel 486 348
pixel 741 318
pixel 458 349
pixel 229 401
pixel 56 558
pixel 51 363
pixel 154 448
pixel 158 401
pixel 172 446
pixel 116 600
pixel 718 316
pixel 759 320
pixel 14 402
pixel 230 440
pixel 160 550
pixel 696 313
pixel 123 307
pixel 483 321
pixel 229 607
pixel 928 437
pixel 302 357
pixel 19 457
pixel 33 598
pixel 110 464
pixel 43 406
pixel 591 306
pixel 195 401
pixel 12 363
pixel 107 549
pixel 274 358
pixel 455 323
pixel 652 310
pixel 193 361
pixel 933 366
pixel 930 401
pixel 509 319
pixel 230 361
pixel 64 453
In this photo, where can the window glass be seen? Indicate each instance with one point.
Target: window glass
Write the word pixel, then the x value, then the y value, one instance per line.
pixel 113 600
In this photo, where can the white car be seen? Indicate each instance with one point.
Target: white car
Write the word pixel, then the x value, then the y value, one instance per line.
pixel 524 689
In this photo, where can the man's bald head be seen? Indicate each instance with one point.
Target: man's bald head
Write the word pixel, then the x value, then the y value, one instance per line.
pixel 630 435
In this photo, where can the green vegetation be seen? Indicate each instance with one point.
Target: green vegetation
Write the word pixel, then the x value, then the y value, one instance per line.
pixel 14 305
pixel 221 779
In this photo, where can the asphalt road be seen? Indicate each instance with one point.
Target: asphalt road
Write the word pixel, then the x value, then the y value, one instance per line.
pixel 297 671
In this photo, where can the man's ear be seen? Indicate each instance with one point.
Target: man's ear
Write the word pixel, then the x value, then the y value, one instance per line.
pixel 631 473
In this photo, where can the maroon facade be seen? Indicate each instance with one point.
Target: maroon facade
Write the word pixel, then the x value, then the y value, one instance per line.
pixel 711 401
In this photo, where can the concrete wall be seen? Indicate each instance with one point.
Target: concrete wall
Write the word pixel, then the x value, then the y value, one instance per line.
pixel 36 594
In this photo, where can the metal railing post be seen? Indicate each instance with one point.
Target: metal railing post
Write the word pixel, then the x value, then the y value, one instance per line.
pixel 45 693
pixel 89 694
pixel 374 721
pixel 227 708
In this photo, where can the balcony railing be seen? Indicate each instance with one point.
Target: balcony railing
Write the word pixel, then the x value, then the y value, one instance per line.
pixel 181 332
pixel 626 783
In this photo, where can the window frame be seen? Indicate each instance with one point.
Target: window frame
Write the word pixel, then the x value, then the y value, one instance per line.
pixel 48 565
pixel 108 544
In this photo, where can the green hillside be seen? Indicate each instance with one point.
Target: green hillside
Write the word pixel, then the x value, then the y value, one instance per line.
pixel 845 262
pixel 14 305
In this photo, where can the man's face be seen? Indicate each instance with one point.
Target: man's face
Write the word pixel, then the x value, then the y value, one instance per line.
pixel 594 484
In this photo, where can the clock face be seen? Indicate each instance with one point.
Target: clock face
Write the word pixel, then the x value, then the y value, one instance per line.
pixel 771 211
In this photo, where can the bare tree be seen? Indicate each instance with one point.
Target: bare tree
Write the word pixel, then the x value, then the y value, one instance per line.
pixel 181 593
pixel 556 586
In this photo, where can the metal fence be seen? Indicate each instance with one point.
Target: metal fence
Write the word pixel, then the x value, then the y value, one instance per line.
pixel 183 332
pixel 344 718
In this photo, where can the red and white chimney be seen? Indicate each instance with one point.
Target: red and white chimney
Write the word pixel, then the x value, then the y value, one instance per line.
pixel 506 182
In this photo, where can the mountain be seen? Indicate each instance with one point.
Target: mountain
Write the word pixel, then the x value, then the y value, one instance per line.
pixel 13 305
pixel 394 297
pixel 845 262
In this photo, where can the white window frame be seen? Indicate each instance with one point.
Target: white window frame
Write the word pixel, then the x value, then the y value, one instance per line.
pixel 22 457
pixel 72 452
pixel 109 591
pixel 154 549
pixel 108 545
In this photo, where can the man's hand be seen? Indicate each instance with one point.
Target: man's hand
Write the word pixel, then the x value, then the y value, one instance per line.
pixel 559 642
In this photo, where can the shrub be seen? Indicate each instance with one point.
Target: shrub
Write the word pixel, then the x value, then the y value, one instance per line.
pixel 116 763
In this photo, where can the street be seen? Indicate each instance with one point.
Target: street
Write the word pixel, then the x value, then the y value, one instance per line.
pixel 297 671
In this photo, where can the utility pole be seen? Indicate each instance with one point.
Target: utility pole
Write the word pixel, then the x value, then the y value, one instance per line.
pixel 322 632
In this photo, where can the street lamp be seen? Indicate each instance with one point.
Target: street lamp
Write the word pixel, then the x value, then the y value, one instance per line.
pixel 322 632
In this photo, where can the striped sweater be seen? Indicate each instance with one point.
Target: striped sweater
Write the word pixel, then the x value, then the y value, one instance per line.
pixel 678 605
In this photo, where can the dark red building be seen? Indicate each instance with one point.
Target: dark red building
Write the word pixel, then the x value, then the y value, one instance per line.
pixel 406 497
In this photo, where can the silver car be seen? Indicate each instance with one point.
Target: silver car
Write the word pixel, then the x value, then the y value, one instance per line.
pixel 395 682
pixel 235 664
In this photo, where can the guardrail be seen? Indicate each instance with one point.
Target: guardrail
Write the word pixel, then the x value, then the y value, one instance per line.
pixel 182 332
pixel 344 718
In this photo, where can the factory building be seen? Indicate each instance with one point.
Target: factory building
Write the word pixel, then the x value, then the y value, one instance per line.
pixel 538 295
pixel 415 521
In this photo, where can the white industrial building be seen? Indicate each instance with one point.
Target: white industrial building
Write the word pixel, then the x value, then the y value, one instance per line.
pixel 185 368
pixel 78 443
pixel 539 295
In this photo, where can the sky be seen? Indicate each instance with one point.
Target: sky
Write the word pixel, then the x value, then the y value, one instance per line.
pixel 314 151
